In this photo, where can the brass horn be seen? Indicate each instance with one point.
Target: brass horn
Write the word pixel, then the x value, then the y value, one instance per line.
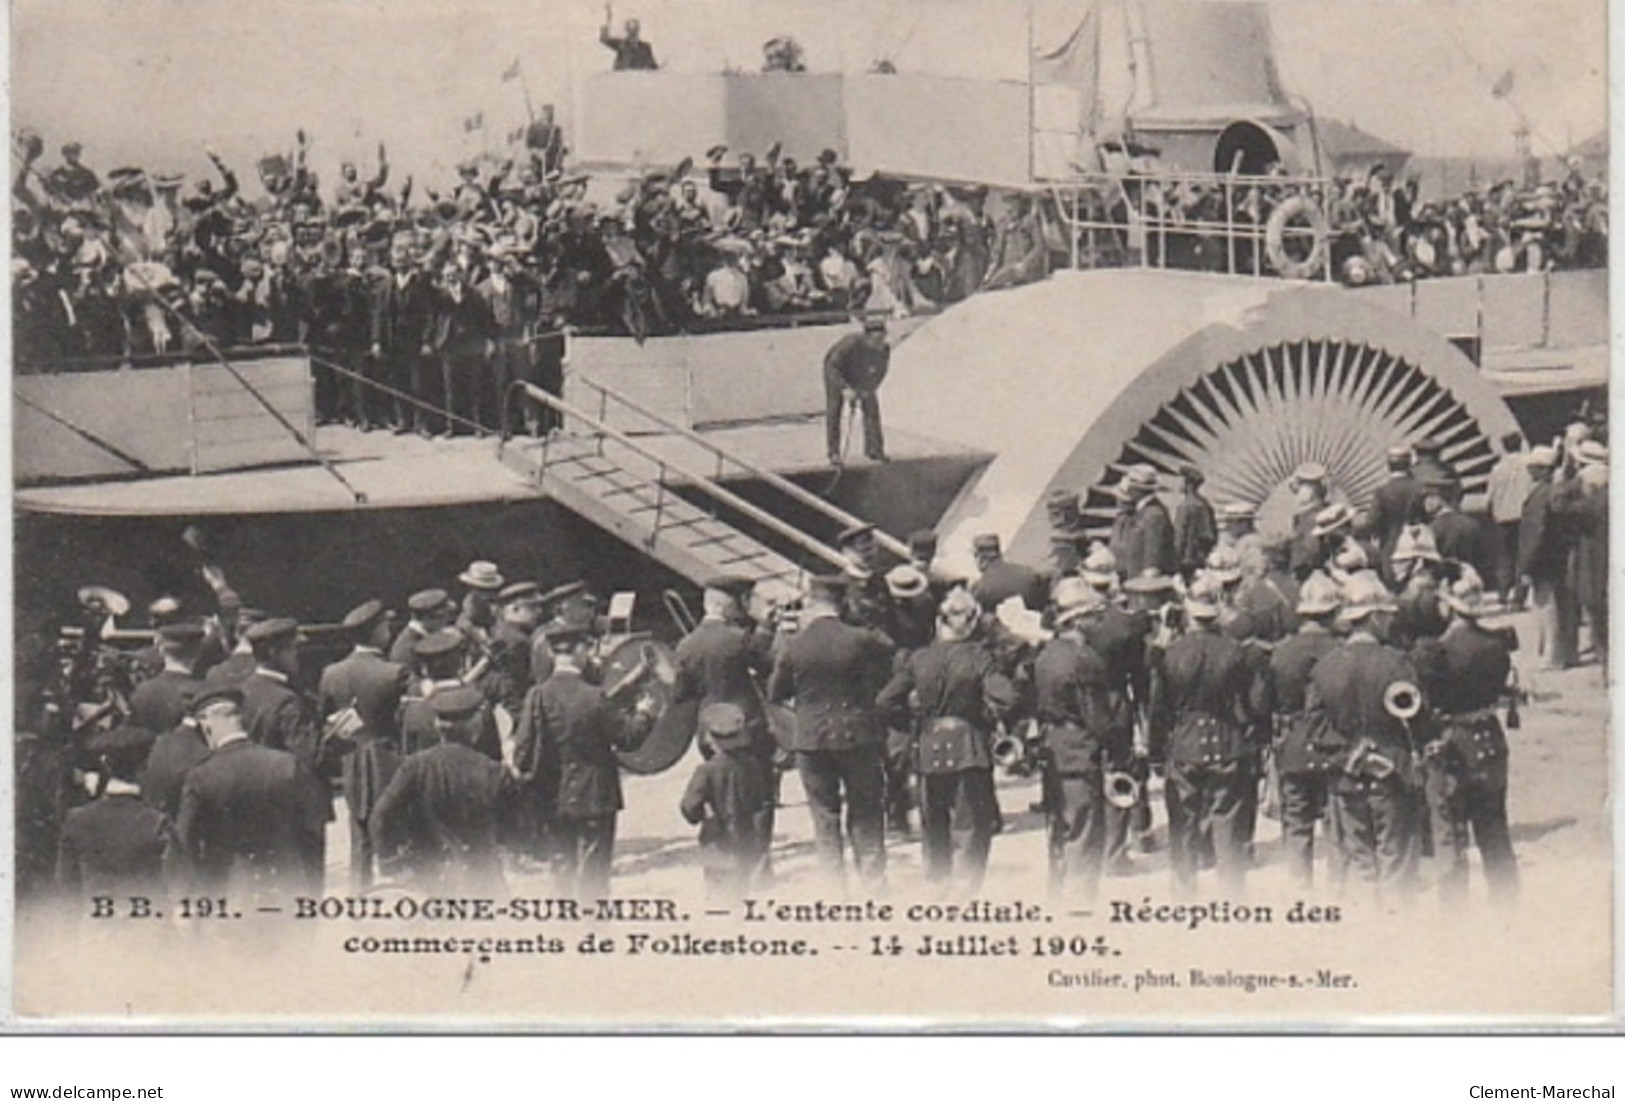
pixel 1122 789
pixel 1402 700
pixel 1009 752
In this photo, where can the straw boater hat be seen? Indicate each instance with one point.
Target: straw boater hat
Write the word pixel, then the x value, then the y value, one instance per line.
pixel 1333 519
pixel 1308 473
pixel 1099 567
pixel 906 582
pixel 482 575
pixel 1202 601
pixel 1223 566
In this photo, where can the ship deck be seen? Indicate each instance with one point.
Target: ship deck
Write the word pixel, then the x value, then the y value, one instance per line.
pixel 408 471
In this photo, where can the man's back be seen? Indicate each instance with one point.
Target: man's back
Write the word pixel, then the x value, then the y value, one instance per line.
pixel 254 811
pixel 115 845
pixel 371 684
pixel 833 671
pixel 159 703
pixel 173 756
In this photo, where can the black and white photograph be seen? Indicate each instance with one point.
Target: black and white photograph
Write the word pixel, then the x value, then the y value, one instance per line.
pixel 767 514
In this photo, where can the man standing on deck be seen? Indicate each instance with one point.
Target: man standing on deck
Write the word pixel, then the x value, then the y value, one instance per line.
pixel 853 371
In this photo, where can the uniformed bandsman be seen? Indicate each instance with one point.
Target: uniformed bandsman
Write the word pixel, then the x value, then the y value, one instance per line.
pixel 1205 694
pixel 440 819
pixel 569 730
pixel 430 610
pixel 1356 689
pixel 1079 722
pixel 159 703
pixel 1465 674
pixel 952 695
pixel 833 671
pixel 1306 758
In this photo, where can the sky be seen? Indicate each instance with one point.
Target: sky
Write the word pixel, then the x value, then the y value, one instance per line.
pixel 150 81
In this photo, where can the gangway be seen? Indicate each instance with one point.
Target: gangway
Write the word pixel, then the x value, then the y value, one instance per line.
pixel 625 487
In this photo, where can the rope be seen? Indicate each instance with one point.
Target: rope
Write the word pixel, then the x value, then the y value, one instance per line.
pixel 214 349
pixel 399 394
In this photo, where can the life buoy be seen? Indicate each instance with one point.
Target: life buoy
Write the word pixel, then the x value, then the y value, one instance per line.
pixel 1298 206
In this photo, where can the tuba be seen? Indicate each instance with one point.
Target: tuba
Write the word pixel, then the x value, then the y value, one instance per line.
pixel 1122 789
pixel 1402 700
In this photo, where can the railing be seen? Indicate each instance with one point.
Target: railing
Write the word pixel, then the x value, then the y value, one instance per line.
pixel 1111 220
pixel 725 459
pixel 602 433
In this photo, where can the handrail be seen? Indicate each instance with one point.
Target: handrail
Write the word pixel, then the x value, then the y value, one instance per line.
pixel 777 481
pixel 700 481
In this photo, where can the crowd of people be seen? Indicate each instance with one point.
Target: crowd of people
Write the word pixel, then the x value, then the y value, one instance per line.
pixel 1375 230
pixel 415 301
pixel 1343 676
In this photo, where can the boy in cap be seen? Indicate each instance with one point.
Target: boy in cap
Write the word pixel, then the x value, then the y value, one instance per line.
pixel 117 843
pixel 440 818
pixel 730 797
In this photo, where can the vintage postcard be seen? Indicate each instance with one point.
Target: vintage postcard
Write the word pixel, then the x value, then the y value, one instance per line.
pixel 1071 514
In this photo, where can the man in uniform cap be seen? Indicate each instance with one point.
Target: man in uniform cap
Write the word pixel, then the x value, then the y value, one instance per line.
pixel 1206 696
pixel 1195 525
pixel 116 844
pixel 429 611
pixel 275 713
pixel 1066 550
pixel 1061 506
pixel 1374 791
pixel 952 695
pixel 251 817
pixel 854 368
pixel 1464 674
pixel 570 604
pixel 1081 723
pixel 441 816
pixel 1142 532
pixel 730 797
pixel 372 685
pixel 833 671
pixel 519 610
pixel 1002 579
pixel 564 745
pixel 439 664
pixel 158 703
pixel 1397 501
pixel 1459 537
pixel 1305 759
pixel 239 664
pixel 719 663
pixel 922 550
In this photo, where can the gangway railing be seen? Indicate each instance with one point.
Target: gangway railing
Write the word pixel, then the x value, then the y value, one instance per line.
pixel 668 476
pixel 724 459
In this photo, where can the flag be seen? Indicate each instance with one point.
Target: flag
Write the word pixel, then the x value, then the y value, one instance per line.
pixel 1073 62
pixel 474 122
pixel 1502 86
pixel 511 72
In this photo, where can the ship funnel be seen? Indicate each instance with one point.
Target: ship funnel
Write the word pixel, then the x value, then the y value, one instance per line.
pixel 1252 148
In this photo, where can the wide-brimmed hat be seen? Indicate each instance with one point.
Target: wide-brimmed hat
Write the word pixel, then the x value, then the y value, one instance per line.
pixel 1202 601
pixel 482 575
pixel 1099 567
pixel 1319 595
pixel 1073 598
pixel 1591 453
pixel 1138 481
pixel 1466 595
pixel 1416 544
pixel 1332 519
pixel 1363 595
pixel 1223 565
